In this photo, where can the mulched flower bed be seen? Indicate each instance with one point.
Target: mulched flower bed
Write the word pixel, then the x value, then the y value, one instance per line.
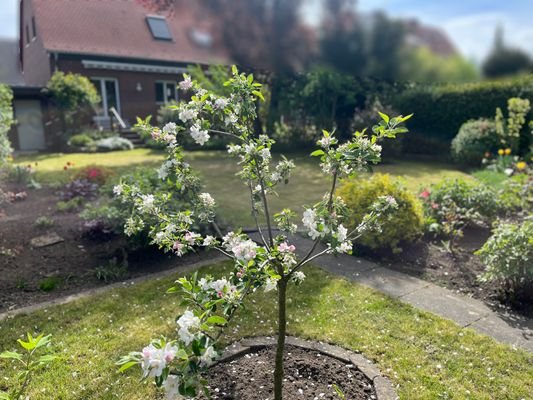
pixel 70 264
pixel 459 272
pixel 309 375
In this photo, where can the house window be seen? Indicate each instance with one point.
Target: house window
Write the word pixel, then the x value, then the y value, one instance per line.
pixel 27 34
pixel 165 92
pixel 109 95
pixel 159 28
pixel 33 29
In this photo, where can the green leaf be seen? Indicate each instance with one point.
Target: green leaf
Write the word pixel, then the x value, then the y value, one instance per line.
pixel 234 70
pixel 257 93
pixel 4 396
pixel 47 358
pixel 317 153
pixel 128 365
pixel 216 320
pixel 384 117
pixel 13 355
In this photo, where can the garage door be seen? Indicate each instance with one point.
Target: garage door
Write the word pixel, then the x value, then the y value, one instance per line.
pixel 29 125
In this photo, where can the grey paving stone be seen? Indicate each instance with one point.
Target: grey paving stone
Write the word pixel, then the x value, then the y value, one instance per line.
pixel 390 282
pixel 494 326
pixel 463 310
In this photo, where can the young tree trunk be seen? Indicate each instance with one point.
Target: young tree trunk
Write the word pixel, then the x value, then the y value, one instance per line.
pixel 282 328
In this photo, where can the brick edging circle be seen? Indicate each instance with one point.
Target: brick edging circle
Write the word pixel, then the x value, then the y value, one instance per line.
pixel 383 387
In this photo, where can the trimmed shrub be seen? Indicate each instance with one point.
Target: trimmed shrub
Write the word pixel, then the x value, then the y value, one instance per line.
pixel 441 110
pixel 508 256
pixel 113 144
pixel 82 142
pixel 475 138
pixel 478 200
pixel 405 224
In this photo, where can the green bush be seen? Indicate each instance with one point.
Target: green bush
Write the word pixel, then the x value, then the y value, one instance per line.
pixel 480 200
pixel 405 224
pixel 516 193
pixel 82 142
pixel 6 119
pixel 474 139
pixel 508 257
pixel 441 110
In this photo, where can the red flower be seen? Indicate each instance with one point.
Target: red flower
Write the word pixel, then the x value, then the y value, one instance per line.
pixel 65 167
pixel 434 206
pixel 93 173
pixel 425 194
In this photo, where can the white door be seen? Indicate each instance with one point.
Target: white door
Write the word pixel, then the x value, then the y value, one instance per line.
pixel 29 124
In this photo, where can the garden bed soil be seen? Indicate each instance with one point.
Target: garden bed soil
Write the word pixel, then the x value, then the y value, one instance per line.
pixel 309 375
pixel 69 264
pixel 427 259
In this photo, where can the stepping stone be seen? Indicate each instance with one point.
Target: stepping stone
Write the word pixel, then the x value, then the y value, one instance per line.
pixel 46 240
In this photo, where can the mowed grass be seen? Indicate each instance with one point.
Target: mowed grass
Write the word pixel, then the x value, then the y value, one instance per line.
pixel 218 170
pixel 425 356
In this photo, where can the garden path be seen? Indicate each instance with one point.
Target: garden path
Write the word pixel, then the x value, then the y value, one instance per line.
pixel 465 311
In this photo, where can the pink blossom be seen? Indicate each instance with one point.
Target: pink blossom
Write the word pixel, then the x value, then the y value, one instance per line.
pixel 425 194
pixel 178 248
pixel 285 248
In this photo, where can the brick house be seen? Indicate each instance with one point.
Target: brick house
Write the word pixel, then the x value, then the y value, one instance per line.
pixel 134 56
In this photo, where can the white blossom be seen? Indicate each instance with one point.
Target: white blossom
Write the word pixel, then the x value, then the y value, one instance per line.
pixel 199 136
pixel 209 355
pixel 245 250
pixel 117 190
pixel 187 114
pixel 170 128
pixel 221 103
pixel 207 200
pixel 209 241
pixel 186 83
pixel 299 276
pixel 270 284
pixel 187 322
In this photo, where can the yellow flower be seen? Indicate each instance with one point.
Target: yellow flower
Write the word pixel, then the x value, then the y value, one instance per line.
pixel 507 152
pixel 521 165
pixel 500 152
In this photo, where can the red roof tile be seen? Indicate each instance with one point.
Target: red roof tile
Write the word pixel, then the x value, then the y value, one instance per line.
pixel 118 28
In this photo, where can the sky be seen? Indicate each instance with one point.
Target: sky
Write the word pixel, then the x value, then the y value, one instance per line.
pixel 469 23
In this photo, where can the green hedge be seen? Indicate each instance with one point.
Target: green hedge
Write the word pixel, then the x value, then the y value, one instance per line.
pixel 441 110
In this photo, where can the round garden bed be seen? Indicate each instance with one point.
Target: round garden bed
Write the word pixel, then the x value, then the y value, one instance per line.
pixel 312 371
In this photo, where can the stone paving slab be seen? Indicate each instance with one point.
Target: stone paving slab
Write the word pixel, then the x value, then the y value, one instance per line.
pixel 463 310
pixel 493 325
pixel 390 282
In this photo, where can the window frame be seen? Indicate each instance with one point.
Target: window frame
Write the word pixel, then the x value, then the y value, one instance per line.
pixel 152 32
pixel 102 80
pixel 165 83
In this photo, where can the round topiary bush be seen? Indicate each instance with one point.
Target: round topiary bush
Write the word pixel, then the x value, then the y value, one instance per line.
pixel 474 139
pixel 405 224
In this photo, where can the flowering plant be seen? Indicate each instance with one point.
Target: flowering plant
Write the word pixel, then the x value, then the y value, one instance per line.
pixel 273 262
pixel 504 162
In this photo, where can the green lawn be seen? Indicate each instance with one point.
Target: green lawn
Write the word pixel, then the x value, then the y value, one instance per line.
pixel 425 356
pixel 218 170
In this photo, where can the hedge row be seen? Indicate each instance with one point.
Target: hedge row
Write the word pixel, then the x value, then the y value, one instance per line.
pixel 440 110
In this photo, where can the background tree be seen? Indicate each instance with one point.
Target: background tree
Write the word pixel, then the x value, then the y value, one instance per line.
pixel 505 61
pixel 71 93
pixel 6 120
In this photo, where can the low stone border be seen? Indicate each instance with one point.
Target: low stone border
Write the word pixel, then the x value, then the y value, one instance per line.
pixel 383 387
